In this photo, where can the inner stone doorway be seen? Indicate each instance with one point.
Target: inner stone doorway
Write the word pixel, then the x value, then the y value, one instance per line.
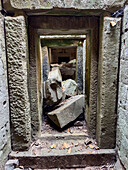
pixel 71 138
pixel 69 55
pixel 59 32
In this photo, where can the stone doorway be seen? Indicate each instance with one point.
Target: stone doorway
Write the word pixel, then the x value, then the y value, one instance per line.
pixel 55 50
pixel 91 51
pixel 43 25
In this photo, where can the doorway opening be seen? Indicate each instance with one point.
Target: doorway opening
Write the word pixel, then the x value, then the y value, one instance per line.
pixel 64 58
pixel 63 65
pixel 63 37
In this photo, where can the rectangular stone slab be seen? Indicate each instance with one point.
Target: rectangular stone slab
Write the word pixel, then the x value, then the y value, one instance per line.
pixel 107 83
pixel 68 112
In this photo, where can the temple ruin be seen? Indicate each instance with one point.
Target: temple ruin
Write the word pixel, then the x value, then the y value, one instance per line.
pixel 63 84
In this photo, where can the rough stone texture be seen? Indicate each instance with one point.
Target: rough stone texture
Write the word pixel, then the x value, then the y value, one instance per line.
pixel 68 71
pixel 35 84
pixel 80 68
pixel 61 159
pixel 77 4
pixel 4 100
pixel 84 65
pixel 45 63
pixel 91 79
pixel 122 123
pixel 11 164
pixel 118 165
pixel 68 112
pixel 17 54
pixel 107 83
pixel 70 87
pixel 52 93
pixel 55 74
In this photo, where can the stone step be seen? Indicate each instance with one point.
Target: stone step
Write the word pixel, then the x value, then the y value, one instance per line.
pixel 55 158
pixel 63 136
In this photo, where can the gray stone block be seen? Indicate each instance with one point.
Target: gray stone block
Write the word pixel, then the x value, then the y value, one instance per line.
pixel 122 122
pixel 17 54
pixel 70 87
pixel 107 80
pixel 80 68
pixel 84 4
pixel 11 164
pixel 46 67
pixel 118 165
pixel 68 112
pixel 5 143
pixel 52 93
pixel 125 19
pixel 55 74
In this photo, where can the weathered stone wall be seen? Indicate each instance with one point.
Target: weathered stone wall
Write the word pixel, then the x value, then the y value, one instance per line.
pixel 122 124
pixel 107 82
pixel 17 54
pixel 4 103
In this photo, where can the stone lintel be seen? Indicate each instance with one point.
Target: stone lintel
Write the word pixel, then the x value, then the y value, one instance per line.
pixel 50 4
pixel 63 37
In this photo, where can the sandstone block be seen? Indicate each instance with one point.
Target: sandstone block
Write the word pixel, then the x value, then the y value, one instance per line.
pixel 55 75
pixel 5 142
pixel 52 93
pixel 68 112
pixel 70 87
pixel 68 72
pixel 11 164
pixel 17 54
pixel 80 68
pixel 45 63
pixel 107 80
pixel 83 4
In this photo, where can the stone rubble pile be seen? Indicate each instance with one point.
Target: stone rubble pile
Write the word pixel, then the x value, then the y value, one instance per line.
pixel 55 91
pixel 68 70
pixel 70 87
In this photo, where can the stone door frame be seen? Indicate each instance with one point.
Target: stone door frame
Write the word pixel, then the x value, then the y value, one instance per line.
pixel 96 72
pixel 91 30
pixel 81 61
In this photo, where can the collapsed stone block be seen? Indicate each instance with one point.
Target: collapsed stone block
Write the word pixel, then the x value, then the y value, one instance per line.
pixel 55 75
pixel 52 93
pixel 70 87
pixel 52 88
pixel 68 70
pixel 68 112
